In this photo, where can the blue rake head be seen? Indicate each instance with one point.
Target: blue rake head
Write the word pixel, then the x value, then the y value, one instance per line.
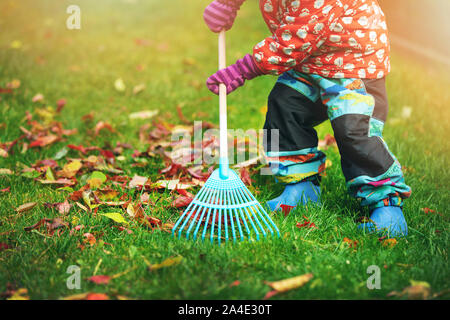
pixel 225 206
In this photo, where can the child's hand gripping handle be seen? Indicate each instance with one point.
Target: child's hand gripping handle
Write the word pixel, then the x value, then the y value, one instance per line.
pixel 223 110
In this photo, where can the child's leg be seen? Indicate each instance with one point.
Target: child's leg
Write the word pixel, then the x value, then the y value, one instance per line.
pixel 294 108
pixel 357 110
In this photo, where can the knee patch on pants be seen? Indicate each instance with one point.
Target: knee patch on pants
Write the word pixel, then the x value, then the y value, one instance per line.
pixel 361 153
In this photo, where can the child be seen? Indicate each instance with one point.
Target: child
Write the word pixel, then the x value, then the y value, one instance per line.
pixel 332 57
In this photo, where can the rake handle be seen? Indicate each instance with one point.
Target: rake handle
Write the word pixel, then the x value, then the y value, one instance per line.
pixel 223 164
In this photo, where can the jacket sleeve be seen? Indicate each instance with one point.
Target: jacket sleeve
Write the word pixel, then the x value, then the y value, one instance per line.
pixel 295 40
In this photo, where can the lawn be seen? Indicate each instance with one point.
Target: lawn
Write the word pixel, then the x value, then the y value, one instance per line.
pixel 163 52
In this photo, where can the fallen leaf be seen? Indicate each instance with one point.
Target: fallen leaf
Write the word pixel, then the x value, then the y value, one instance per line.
pixel 306 224
pixel 145 114
pixel 137 181
pixel 20 294
pixel 417 290
pixel 26 207
pixel 115 216
pixel 103 125
pixel 6 190
pixel 38 98
pixel 389 242
pixel 166 263
pixel 5 171
pixel 44 141
pixel 288 284
pixel 351 243
pixel 139 88
pixel 100 279
pixel 119 85
pixel 70 169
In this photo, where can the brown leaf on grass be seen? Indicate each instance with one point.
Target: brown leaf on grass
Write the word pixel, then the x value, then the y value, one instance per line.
pixel 137 181
pixel 103 125
pixel 182 202
pixel 51 224
pixel 100 279
pixel 89 238
pixel 26 207
pixel 327 142
pixel 181 115
pixel 6 171
pixel 418 290
pixel 62 207
pixel 351 243
pixel 166 263
pixel 61 181
pixel 288 284
pixel 245 176
pixel 389 242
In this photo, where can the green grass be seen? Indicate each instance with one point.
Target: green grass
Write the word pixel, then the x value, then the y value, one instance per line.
pixel 105 50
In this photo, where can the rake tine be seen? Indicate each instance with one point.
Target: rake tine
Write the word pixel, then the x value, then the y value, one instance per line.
pixel 196 215
pixel 230 212
pixel 180 219
pixel 258 211
pixel 209 196
pixel 219 226
pixel 249 197
pixel 214 219
pixel 233 193
pixel 213 199
pixel 239 192
pixel 269 218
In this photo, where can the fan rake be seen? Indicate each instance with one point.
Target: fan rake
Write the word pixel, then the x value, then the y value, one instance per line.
pixel 224 204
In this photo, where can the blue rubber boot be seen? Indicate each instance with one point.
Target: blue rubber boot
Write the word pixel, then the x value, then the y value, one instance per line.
pixel 294 194
pixel 388 221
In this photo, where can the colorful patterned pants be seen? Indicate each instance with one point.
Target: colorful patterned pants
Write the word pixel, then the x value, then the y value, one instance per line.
pixel 357 110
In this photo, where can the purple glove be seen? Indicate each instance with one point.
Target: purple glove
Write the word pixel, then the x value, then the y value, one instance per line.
pixel 235 75
pixel 220 14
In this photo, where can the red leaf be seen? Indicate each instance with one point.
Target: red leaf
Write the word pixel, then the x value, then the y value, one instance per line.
pixel 44 141
pixel 245 176
pixel 171 170
pixel 270 294
pixel 103 125
pixel 100 279
pixel 235 283
pixel 182 201
pixel 6 190
pixel 4 246
pixel 60 104
pixel 181 116
pixel 97 296
pixel 79 148
pixel 286 209
pixel 306 224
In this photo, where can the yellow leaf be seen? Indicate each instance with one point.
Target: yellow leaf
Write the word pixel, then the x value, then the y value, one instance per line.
pixel 389 243
pixel 16 44
pixel 71 169
pixel 94 183
pixel 263 109
pixel 166 263
pixel 291 283
pixel 20 294
pixel 5 171
pixel 115 216
pixel 79 296
pixel 120 85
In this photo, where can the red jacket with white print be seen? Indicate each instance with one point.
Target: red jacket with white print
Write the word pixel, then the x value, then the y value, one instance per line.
pixel 331 38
